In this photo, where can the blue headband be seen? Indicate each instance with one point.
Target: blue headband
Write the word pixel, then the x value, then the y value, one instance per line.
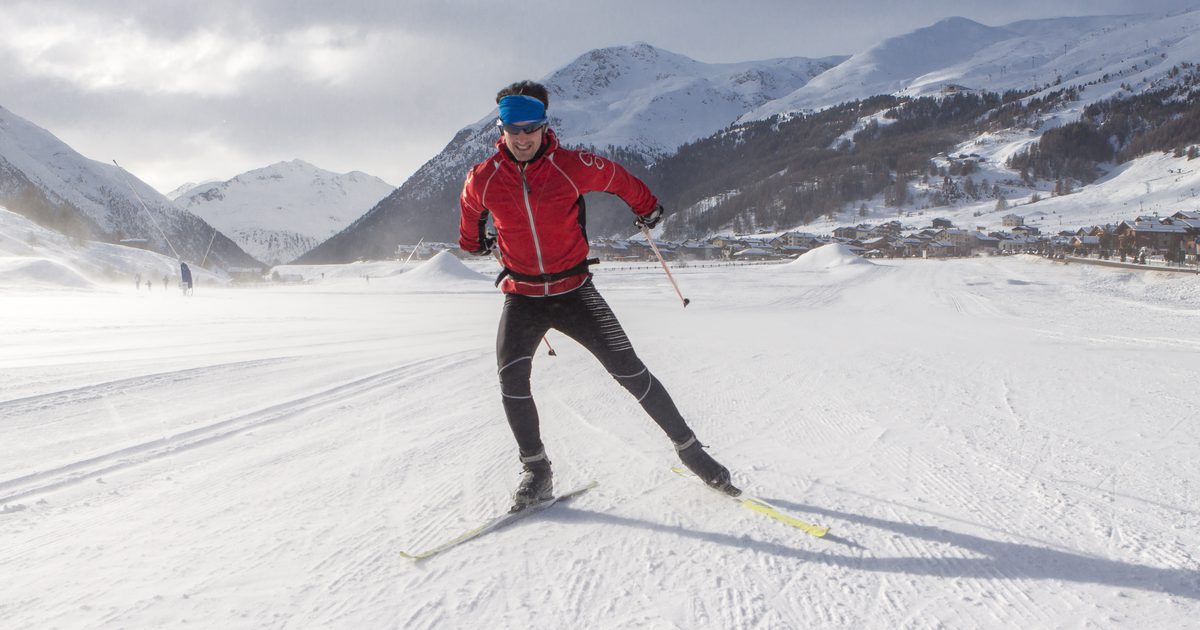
pixel 520 108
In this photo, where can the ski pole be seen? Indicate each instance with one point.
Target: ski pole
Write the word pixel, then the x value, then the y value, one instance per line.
pixel 646 232
pixel 545 339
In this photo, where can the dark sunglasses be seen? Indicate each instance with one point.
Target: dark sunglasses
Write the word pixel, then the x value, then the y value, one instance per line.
pixel 519 129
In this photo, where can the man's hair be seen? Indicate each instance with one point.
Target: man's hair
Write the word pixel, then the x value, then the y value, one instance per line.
pixel 526 88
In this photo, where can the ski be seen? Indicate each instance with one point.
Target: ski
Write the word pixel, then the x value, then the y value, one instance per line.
pixel 498 522
pixel 766 509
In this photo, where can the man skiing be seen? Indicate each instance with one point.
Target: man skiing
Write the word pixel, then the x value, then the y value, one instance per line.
pixel 532 188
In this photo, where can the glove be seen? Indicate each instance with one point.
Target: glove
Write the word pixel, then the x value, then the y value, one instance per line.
pixel 485 246
pixel 650 220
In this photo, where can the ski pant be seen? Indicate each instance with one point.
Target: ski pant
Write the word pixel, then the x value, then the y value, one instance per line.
pixel 584 316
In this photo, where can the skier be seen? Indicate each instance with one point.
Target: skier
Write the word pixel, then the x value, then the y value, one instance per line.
pixel 185 278
pixel 532 188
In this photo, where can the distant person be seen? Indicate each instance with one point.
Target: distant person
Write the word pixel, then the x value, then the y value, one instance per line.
pixel 533 190
pixel 185 278
pixel 166 280
pixel 137 282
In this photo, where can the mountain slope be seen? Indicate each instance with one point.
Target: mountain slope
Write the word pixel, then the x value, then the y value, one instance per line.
pixel 279 212
pixel 962 53
pixel 640 98
pixel 44 179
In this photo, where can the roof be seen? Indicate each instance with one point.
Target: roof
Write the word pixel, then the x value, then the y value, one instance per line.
pixel 1156 227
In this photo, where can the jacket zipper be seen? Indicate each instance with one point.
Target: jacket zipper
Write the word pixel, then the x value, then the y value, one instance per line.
pixel 537 247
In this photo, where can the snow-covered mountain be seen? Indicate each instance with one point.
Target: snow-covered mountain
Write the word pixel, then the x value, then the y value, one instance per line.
pixel 634 97
pixel 278 212
pixel 959 53
pixel 47 181
pixel 185 188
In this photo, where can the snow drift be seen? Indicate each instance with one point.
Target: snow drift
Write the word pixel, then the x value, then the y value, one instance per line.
pixel 826 257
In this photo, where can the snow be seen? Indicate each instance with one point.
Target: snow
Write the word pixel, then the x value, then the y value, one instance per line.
pixel 1104 51
pixel 828 257
pixel 994 442
pixel 278 212
pixel 35 258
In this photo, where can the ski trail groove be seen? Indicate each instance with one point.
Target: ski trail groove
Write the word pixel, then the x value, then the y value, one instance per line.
pixel 77 471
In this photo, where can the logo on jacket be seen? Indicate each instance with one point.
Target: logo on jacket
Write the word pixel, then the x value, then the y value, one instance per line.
pixel 591 159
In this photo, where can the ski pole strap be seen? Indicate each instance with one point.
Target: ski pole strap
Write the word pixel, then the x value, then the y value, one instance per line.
pixel 547 277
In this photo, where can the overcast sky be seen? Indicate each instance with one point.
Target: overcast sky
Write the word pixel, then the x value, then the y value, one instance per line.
pixel 183 91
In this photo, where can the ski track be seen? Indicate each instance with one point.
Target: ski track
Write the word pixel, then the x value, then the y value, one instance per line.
pixel 82 470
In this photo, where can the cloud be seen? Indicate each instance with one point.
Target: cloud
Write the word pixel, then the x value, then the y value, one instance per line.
pixel 179 90
pixel 97 52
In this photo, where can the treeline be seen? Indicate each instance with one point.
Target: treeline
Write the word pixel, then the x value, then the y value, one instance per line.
pixel 791 171
pixel 1118 129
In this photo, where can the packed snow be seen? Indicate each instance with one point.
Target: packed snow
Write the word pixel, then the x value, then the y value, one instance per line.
pixel 993 442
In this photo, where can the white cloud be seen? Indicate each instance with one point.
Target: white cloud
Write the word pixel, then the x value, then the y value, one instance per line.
pixel 104 53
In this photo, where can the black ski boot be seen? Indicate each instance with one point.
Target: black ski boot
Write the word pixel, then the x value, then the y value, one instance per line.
pixel 697 460
pixel 537 484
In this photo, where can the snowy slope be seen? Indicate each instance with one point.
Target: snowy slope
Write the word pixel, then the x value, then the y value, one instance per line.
pixel 279 212
pixel 652 100
pixel 1131 50
pixel 42 177
pixel 995 443
pixel 1153 184
pixel 35 258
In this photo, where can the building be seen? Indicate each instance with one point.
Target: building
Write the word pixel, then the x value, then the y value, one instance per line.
pixel 1156 235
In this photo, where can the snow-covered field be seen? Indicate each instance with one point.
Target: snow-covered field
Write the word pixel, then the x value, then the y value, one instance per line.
pixel 994 443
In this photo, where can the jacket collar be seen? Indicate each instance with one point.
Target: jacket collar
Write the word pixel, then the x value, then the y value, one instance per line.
pixel 549 143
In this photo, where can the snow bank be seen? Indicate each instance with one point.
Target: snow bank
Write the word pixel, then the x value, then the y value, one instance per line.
pixel 27 273
pixel 441 270
pixel 827 257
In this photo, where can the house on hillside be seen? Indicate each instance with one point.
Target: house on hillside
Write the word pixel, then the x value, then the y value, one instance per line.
pixel 1085 245
pixel 942 224
pixel 961 241
pixel 986 242
pixel 846 232
pixel 1012 220
pixel 606 249
pixel 1164 235
pixel 1018 243
pixel 891 228
pixel 1026 230
pixel 693 249
pixel 795 239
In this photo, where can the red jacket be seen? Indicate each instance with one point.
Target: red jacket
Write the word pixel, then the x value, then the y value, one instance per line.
pixel 537 223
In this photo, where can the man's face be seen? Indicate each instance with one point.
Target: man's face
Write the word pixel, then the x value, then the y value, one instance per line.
pixel 523 144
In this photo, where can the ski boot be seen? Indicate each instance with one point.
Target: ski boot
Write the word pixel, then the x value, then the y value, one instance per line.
pixel 697 460
pixel 536 485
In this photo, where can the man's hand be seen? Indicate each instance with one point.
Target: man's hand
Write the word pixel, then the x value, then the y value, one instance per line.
pixel 650 220
pixel 485 246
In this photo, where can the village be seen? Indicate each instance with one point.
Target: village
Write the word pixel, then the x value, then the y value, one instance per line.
pixel 1170 241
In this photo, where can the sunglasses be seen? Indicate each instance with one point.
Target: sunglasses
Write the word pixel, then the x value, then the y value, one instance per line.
pixel 530 128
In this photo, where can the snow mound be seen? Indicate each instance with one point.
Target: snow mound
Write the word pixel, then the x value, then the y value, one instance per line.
pixel 442 268
pixel 40 273
pixel 829 256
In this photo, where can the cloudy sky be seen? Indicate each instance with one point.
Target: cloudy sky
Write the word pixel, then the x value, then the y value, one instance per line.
pixel 183 91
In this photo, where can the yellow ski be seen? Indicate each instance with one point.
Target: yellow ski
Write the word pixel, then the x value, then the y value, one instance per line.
pixel 766 509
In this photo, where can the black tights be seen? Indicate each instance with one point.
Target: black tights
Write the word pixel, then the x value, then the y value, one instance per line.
pixel 584 316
